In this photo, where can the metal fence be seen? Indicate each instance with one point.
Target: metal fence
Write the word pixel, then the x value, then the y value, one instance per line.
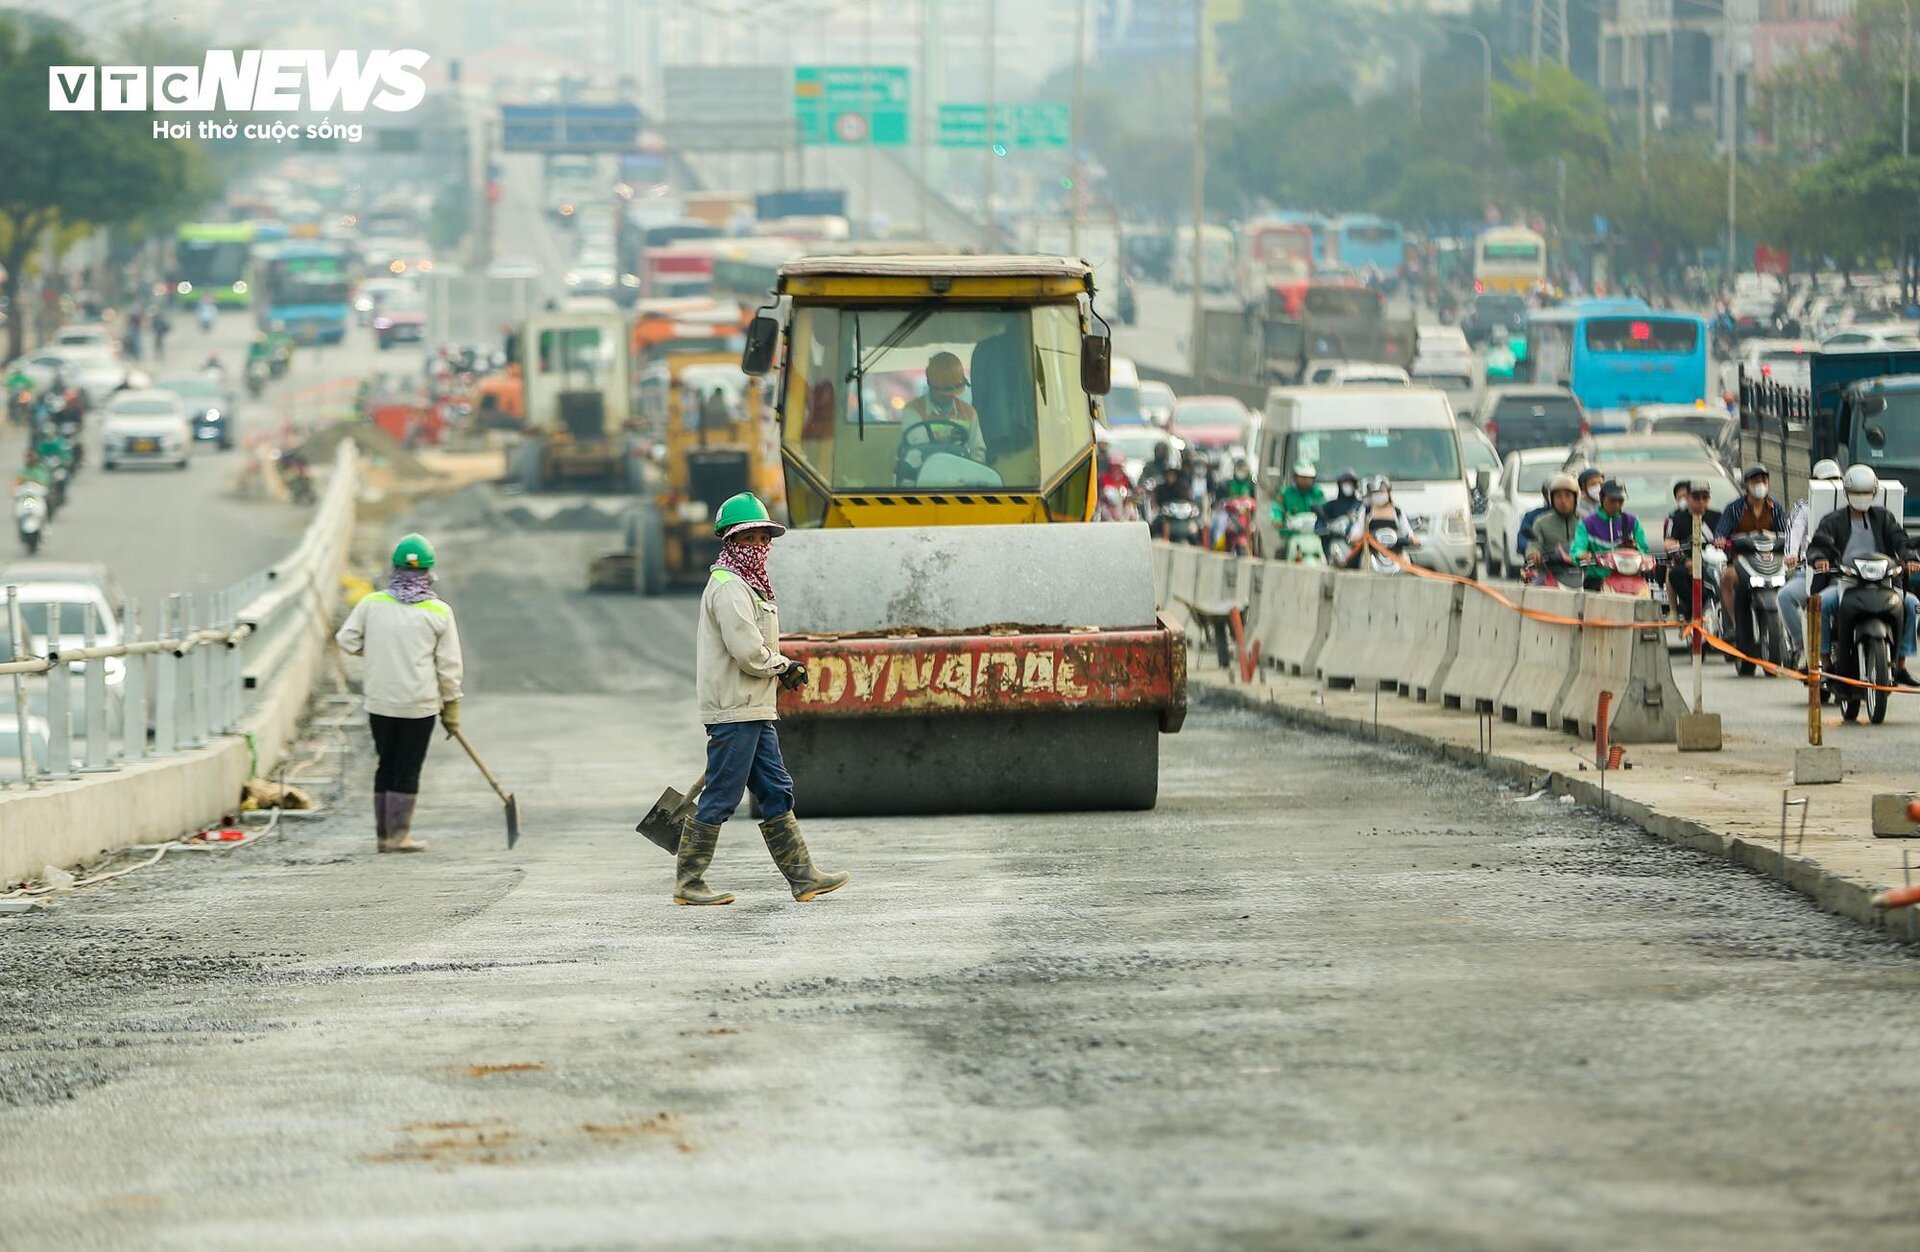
pixel 200 674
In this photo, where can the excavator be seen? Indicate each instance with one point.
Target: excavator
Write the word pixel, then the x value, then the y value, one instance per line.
pixel 975 642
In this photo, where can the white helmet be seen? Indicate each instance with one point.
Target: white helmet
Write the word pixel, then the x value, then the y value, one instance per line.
pixel 1827 470
pixel 1862 486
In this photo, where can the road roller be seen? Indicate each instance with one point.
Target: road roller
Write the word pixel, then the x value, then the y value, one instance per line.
pixel 976 643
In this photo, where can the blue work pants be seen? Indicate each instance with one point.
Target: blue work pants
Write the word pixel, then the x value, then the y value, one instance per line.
pixel 744 756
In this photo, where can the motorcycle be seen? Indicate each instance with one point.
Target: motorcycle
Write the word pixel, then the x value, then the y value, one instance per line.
pixel 293 472
pixel 1178 521
pixel 258 371
pixel 1624 572
pixel 1116 505
pixel 1300 542
pixel 1761 566
pixel 1237 536
pixel 1387 543
pixel 61 473
pixel 1870 594
pixel 30 515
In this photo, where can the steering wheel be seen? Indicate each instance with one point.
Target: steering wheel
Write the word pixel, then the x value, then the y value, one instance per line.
pixel 917 440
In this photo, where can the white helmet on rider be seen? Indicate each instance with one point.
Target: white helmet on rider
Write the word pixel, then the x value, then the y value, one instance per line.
pixel 1826 470
pixel 1379 490
pixel 1862 486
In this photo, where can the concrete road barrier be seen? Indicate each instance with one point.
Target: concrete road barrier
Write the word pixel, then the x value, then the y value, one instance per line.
pixel 1183 581
pixel 1365 644
pixel 1431 611
pixel 1162 573
pixel 1489 641
pixel 1545 661
pixel 1295 614
pixel 1632 664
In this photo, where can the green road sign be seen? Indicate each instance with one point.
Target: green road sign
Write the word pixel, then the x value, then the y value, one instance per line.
pixel 1014 126
pixel 851 105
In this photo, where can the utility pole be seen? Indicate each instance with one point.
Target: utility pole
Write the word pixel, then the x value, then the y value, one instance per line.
pixel 1078 193
pixel 923 114
pixel 1906 101
pixel 993 107
pixel 866 94
pixel 1731 91
pixel 1198 334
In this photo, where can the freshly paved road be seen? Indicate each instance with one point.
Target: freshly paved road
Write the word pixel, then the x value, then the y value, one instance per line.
pixel 1324 995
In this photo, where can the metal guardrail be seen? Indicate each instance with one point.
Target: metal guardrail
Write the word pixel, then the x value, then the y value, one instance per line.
pixel 200 676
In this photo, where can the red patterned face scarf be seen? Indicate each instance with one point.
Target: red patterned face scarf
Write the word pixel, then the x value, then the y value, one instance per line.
pixel 748 562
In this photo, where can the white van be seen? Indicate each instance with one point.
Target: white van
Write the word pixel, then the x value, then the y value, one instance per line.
pixel 1407 433
pixel 1121 406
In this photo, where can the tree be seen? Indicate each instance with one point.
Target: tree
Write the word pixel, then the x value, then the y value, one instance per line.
pixel 104 169
pixel 1547 115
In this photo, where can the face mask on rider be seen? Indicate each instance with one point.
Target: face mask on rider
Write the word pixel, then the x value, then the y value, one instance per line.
pixel 1860 500
pixel 1758 491
pixel 1378 499
pixel 1347 491
pixel 1593 493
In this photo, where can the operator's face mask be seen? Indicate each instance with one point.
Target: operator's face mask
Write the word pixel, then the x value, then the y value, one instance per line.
pixel 1757 490
pixel 1861 500
pixel 941 402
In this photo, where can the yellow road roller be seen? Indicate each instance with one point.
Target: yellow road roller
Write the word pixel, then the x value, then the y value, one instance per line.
pixel 976 643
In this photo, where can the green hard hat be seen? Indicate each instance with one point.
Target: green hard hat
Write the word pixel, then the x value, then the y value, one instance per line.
pixel 744 509
pixel 413 552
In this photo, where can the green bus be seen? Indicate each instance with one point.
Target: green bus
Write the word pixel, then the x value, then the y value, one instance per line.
pixel 212 257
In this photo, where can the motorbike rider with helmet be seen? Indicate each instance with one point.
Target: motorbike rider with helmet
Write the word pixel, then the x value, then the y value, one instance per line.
pixel 1845 535
pixel 1757 511
pixel 1550 544
pixel 1696 500
pixel 1346 498
pixel 1612 527
pixel 1379 508
pixel 1800 524
pixel 1589 480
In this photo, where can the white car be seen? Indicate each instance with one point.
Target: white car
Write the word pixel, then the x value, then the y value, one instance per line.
pixel 375 293
pixel 145 427
pixel 1325 373
pixel 1442 358
pixel 59 597
pixel 1516 493
pixel 1872 337
pixel 84 335
pixel 1156 402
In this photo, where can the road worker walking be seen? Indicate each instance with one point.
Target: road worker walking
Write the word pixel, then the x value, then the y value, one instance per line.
pixel 738 665
pixel 413 673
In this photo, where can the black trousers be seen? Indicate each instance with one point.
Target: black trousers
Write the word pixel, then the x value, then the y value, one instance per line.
pixel 401 744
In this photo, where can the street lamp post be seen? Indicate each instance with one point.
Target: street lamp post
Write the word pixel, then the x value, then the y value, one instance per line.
pixel 1074 203
pixel 1730 88
pixel 1198 334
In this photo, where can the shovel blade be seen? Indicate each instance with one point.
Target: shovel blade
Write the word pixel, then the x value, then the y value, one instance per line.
pixel 661 825
pixel 513 821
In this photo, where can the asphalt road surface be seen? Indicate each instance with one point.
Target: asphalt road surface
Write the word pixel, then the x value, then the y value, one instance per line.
pixel 1325 995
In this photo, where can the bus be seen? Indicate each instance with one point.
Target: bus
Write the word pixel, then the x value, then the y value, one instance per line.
pixel 1614 354
pixel 212 257
pixel 1361 241
pixel 1316 230
pixel 306 290
pixel 1216 258
pixel 1510 259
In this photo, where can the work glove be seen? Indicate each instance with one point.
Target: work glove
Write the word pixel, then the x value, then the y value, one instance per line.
pixel 794 676
pixel 450 716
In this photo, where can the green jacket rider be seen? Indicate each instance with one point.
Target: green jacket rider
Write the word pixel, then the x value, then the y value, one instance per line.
pixel 1303 495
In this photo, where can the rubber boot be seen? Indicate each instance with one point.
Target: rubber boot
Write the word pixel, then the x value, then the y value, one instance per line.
pixel 380 818
pixel 789 852
pixel 697 842
pixel 400 824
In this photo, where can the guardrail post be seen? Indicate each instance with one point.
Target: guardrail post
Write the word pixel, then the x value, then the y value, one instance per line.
pixel 230 664
pixel 133 707
pixel 22 726
pixel 59 701
pixel 166 692
pixel 96 693
pixel 196 678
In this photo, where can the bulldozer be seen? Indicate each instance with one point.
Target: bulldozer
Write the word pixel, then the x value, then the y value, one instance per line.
pixel 975 642
pixel 577 401
pixel 716 442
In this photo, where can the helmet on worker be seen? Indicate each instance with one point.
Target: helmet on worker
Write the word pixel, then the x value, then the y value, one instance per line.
pixel 1826 470
pixel 1379 491
pixel 1348 483
pixel 1590 479
pixel 1613 492
pixel 946 379
pixel 413 552
pixel 1755 478
pixel 1862 486
pixel 1562 486
pixel 742 513
pixel 1304 474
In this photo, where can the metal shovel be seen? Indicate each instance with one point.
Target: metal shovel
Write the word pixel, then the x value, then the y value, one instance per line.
pixel 506 797
pixel 661 825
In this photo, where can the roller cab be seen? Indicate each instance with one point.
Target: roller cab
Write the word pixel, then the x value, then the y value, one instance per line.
pixel 936 418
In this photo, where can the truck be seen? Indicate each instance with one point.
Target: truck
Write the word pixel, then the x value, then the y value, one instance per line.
pixel 1859 408
pixel 1100 247
pixel 1268 342
pixel 714 446
pixel 578 401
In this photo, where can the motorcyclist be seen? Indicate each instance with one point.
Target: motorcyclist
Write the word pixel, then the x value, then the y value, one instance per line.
pixel 53 448
pixel 1113 470
pixel 1303 494
pixel 1550 542
pixel 1379 508
pixel 213 366
pixel 1154 472
pixel 1589 480
pixel 1842 537
pixel 1800 524
pixel 1612 527
pixel 33 474
pixel 1695 499
pixel 1346 498
pixel 1756 512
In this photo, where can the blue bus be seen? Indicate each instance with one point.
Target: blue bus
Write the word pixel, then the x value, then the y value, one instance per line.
pixel 1361 240
pixel 1615 354
pixel 303 288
